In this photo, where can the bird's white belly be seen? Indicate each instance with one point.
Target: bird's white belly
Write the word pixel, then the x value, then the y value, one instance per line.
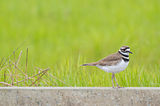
pixel 114 69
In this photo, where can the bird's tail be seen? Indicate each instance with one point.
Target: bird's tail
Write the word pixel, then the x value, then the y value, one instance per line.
pixel 89 64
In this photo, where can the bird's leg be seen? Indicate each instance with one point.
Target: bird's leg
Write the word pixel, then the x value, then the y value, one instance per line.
pixel 116 81
pixel 112 81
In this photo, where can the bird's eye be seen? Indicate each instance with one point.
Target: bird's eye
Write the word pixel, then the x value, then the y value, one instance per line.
pixel 124 49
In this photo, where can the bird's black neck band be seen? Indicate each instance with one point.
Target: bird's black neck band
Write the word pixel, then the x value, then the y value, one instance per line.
pixel 123 54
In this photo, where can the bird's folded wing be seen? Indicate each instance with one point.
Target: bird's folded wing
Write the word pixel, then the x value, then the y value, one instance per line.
pixel 110 60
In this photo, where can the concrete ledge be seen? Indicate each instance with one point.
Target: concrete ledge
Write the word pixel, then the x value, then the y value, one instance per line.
pixel 79 96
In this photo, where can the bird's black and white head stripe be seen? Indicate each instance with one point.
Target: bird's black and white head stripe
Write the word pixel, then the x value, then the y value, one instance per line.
pixel 124 51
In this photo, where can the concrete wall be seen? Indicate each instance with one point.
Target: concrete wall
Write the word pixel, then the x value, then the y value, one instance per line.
pixel 79 96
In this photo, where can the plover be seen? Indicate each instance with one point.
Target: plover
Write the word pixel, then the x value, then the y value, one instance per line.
pixel 113 63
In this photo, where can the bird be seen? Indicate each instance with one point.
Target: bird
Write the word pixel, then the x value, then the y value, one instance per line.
pixel 113 63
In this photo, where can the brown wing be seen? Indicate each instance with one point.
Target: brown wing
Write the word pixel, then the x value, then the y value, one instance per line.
pixel 110 60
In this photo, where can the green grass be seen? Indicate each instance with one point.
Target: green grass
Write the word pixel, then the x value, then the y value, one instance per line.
pixel 68 33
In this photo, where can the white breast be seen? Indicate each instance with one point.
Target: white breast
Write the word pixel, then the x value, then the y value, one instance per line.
pixel 115 69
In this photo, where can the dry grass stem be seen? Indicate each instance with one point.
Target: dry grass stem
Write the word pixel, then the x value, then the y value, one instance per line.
pixel 18 68
pixel 13 73
pixel 32 76
pixel 26 65
pixel 14 51
pixel 22 72
pixel 18 59
pixel 54 77
pixel 6 84
pixel 1 61
pixel 58 79
pixel 5 76
pixel 6 67
pixel 45 81
pixel 16 63
pixel 40 76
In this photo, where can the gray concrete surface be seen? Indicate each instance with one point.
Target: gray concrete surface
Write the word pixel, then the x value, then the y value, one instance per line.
pixel 79 96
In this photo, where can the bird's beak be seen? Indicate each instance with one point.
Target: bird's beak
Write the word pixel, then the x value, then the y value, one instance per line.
pixel 130 52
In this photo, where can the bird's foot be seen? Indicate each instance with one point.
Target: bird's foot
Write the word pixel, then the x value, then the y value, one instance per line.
pixel 119 86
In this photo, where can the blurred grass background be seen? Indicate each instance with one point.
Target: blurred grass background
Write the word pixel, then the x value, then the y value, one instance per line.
pixel 68 33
